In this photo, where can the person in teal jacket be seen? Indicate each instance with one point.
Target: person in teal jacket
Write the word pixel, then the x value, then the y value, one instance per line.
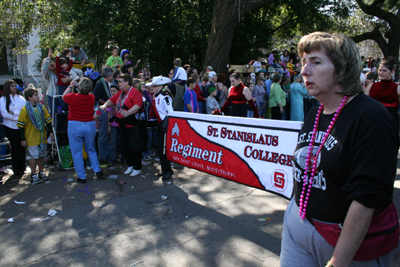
pixel 277 98
pixel 297 94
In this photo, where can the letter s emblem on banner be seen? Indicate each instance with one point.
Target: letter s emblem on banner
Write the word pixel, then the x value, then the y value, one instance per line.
pixel 279 178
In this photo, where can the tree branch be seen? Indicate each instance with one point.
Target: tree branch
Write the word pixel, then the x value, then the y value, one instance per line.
pixel 377 2
pixel 283 24
pixel 373 35
pixel 375 10
pixel 253 4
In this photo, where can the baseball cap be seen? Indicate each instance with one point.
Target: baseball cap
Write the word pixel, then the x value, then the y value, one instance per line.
pixel 212 74
pixel 211 89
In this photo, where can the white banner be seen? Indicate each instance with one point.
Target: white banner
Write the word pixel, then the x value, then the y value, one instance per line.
pixel 255 152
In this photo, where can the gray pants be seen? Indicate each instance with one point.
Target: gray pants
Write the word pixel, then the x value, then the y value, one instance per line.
pixel 302 245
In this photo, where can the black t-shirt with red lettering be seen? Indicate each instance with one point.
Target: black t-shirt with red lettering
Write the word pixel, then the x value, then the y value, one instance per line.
pixel 358 161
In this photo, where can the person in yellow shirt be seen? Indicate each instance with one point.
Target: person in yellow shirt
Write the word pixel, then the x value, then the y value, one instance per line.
pixel 32 121
pixel 290 66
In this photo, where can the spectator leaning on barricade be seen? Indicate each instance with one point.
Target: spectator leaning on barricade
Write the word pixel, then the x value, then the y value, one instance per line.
pixel 102 93
pixel 162 105
pixel 34 121
pixel 81 127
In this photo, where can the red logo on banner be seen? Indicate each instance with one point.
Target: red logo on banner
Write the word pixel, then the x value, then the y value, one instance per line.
pixel 279 180
pixel 192 150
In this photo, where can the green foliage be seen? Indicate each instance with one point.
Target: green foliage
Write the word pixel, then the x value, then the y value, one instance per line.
pixel 281 24
pixel 154 31
pixel 157 31
pixel 17 20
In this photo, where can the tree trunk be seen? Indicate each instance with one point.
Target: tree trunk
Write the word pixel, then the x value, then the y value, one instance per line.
pixel 390 48
pixel 224 21
pixel 225 18
pixel 393 48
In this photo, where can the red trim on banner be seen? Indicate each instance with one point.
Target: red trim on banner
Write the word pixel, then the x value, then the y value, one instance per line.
pixel 186 147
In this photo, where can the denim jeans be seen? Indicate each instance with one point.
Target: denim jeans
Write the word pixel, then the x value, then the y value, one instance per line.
pixel 113 143
pixel 50 103
pixel 80 133
pixel 104 137
pixel 262 108
pixel 200 105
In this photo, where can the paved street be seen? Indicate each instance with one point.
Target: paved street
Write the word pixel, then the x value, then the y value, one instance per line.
pixel 206 221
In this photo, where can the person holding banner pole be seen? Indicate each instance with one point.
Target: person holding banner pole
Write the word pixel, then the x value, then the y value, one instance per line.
pixel 238 97
pixel 162 105
pixel 344 166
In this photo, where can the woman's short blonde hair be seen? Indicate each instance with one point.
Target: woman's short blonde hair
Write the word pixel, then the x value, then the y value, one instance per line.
pixel 343 53
pixel 85 85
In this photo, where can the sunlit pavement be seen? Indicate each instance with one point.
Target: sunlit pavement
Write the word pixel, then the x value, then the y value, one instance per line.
pixel 205 221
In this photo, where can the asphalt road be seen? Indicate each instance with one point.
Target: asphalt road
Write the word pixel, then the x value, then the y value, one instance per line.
pixel 205 221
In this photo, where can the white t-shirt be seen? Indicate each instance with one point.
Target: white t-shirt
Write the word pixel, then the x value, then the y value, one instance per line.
pixel 16 104
pixel 180 74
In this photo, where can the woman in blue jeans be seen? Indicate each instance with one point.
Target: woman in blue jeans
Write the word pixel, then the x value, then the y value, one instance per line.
pixel 81 126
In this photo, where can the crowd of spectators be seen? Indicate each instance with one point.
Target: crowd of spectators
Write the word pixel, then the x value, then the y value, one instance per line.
pixel 123 98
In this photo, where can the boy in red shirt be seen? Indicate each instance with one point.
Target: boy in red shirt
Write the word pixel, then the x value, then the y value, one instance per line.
pixel 63 67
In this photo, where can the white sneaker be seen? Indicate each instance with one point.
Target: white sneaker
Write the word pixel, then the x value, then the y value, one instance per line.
pixel 145 162
pixel 129 170
pixel 135 172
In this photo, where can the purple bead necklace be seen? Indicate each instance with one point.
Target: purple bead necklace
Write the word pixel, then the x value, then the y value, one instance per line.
pixel 313 160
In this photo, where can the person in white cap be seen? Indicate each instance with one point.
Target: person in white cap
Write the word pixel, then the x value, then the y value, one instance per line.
pixel 162 105
pixel 211 83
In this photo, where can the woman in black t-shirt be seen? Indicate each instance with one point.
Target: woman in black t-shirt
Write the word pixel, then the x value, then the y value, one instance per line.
pixel 344 166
